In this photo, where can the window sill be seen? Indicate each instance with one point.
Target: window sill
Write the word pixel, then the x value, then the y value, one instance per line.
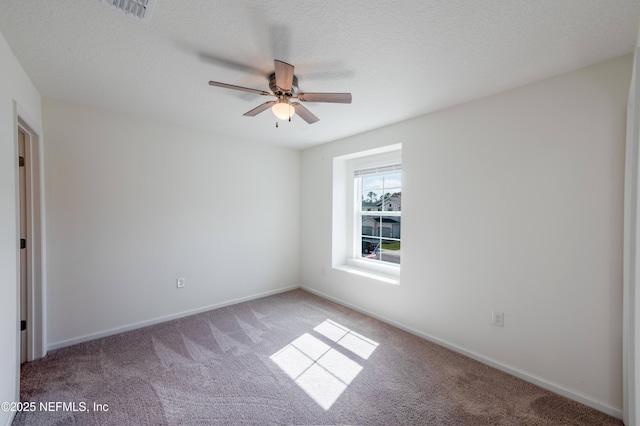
pixel 383 273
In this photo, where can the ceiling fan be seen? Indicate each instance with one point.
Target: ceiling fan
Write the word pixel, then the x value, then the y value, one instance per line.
pixel 284 86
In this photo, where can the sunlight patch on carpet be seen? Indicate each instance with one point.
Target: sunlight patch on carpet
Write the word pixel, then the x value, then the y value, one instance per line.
pixel 322 371
pixel 356 343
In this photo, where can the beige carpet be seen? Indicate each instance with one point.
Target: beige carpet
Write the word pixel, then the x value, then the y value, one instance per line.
pixel 292 358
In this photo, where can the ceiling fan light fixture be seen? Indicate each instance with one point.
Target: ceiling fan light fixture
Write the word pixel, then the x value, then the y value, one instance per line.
pixel 283 109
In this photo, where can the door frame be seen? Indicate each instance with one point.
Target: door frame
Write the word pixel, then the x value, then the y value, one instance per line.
pixel 631 270
pixel 36 330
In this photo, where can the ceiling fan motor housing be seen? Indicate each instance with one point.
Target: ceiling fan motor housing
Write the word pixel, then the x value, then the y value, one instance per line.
pixel 278 92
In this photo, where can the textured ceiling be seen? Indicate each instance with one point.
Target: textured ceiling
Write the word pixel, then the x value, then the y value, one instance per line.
pixel 399 59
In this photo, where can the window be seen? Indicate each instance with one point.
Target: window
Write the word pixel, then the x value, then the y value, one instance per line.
pixel 367 213
pixel 378 193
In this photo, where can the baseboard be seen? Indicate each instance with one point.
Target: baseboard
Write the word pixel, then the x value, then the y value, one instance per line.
pixel 111 332
pixel 545 384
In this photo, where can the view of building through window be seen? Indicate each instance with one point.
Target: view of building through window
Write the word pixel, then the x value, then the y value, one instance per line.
pixel 380 215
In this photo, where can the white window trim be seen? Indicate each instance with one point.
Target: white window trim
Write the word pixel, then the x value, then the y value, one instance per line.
pixel 346 246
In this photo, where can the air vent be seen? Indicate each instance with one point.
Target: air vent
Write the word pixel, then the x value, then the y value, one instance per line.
pixel 140 9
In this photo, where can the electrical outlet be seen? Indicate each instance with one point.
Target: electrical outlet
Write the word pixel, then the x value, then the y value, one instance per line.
pixel 497 318
pixel 180 282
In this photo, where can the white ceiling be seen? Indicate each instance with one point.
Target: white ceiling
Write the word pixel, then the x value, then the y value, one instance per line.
pixel 399 59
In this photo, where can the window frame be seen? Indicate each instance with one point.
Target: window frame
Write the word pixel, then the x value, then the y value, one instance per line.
pixel 359 213
pixel 385 156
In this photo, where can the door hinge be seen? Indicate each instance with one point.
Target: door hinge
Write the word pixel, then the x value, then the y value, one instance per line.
pixel 23 325
pixel 21 161
pixel 23 243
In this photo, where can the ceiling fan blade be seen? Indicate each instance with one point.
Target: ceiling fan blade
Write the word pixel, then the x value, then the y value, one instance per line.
pixel 257 110
pixel 229 64
pixel 244 89
pixel 339 98
pixel 284 75
pixel 304 113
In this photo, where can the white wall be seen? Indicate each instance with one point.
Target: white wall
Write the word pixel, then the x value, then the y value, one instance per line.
pixel 134 204
pixel 14 86
pixel 511 203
